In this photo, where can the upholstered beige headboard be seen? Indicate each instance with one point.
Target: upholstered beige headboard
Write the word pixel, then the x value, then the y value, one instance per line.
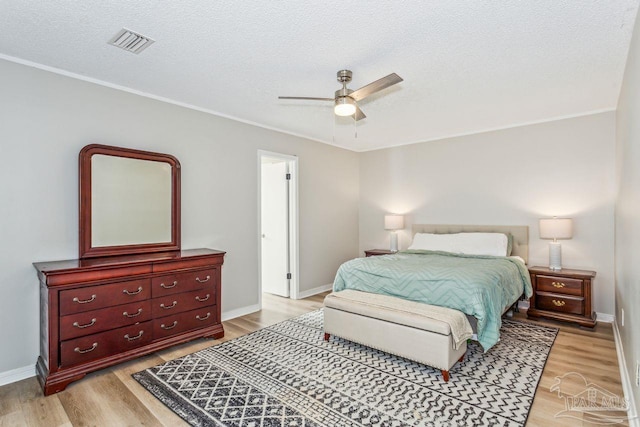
pixel 520 233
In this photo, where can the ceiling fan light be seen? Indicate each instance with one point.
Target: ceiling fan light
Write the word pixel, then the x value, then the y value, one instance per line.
pixel 345 106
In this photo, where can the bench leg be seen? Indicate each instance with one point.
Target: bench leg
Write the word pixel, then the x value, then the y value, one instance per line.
pixel 461 357
pixel 445 376
pixel 326 336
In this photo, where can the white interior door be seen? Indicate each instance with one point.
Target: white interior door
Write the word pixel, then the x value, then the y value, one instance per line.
pixel 275 226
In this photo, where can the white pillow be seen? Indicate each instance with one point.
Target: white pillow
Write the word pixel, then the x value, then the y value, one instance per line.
pixel 494 244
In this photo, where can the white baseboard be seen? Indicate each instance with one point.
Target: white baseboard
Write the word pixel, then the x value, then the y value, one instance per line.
pixel 18 374
pixel 232 314
pixel 605 317
pixel 314 291
pixel 627 388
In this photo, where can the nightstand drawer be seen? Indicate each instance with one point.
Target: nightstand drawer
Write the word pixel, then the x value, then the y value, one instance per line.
pixel 559 303
pixel 560 285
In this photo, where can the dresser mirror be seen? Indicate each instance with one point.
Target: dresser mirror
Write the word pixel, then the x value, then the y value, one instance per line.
pixel 129 201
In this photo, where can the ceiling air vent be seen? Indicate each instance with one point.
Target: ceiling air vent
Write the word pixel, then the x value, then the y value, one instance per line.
pixel 130 41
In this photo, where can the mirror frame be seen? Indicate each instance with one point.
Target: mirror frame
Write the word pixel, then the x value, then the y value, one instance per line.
pixel 86 248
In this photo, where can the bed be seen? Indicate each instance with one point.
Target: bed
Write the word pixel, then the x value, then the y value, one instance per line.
pixel 482 287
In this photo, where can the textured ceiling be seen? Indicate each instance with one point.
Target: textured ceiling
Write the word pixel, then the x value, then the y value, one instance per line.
pixel 468 66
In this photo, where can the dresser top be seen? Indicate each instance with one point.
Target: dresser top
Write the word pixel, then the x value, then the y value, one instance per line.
pixel 54 267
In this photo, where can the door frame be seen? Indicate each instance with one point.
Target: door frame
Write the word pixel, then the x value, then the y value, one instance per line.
pixel 294 262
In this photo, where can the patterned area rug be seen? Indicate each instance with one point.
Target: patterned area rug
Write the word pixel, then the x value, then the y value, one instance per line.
pixel 286 375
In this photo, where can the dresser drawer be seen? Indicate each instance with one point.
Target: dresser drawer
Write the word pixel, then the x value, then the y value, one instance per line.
pixel 175 324
pixel 560 285
pixel 93 297
pixel 91 322
pixel 91 347
pixel 177 303
pixel 181 282
pixel 559 303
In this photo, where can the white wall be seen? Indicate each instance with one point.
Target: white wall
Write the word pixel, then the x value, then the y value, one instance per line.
pixel 45 119
pixel 512 176
pixel 628 211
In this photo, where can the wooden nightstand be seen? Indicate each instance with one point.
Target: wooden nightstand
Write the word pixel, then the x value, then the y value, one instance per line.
pixel 562 295
pixel 376 252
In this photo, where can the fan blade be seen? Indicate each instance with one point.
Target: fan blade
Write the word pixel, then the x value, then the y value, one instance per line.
pixel 359 114
pixel 376 86
pixel 306 97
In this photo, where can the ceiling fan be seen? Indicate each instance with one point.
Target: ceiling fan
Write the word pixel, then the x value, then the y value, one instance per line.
pixel 346 99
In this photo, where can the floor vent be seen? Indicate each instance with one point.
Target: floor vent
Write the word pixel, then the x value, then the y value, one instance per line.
pixel 130 41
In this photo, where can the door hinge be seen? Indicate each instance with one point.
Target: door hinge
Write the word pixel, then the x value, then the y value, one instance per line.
pixel 288 276
pixel 288 176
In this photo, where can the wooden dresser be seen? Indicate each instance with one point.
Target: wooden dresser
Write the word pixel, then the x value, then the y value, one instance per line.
pixel 562 295
pixel 101 311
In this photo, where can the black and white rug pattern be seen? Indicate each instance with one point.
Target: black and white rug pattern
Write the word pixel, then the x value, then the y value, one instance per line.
pixel 286 375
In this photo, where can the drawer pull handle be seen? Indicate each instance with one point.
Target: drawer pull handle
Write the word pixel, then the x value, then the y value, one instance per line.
pixel 163 326
pixel 167 307
pixel 203 281
pixel 173 285
pixel 558 284
pixel 203 299
pixel 77 325
pixel 79 301
pixel 125 314
pixel 93 347
pixel 203 318
pixel 137 337
pixel 124 291
pixel 558 303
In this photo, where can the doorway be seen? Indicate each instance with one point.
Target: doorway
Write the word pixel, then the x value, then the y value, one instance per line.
pixel 278 224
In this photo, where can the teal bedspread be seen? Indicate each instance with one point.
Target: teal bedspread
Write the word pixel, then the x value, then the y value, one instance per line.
pixel 480 286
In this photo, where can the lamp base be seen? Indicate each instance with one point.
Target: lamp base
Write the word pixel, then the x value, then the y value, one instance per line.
pixel 393 242
pixel 555 256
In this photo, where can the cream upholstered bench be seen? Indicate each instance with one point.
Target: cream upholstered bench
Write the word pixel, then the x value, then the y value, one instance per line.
pixel 400 327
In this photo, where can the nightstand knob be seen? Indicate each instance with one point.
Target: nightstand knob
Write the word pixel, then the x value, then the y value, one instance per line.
pixel 558 303
pixel 558 284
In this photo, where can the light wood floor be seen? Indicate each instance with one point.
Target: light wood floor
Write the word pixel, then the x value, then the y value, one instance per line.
pixel 112 398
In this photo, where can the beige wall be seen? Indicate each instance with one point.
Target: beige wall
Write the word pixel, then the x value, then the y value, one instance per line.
pixel 628 211
pixel 512 176
pixel 45 119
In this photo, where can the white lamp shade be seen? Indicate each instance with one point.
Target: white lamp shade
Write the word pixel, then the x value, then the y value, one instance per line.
pixel 556 228
pixel 393 222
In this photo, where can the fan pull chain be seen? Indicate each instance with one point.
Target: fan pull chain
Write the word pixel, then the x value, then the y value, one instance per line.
pixel 355 127
pixel 333 119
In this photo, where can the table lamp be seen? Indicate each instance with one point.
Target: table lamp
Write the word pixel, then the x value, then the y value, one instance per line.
pixel 393 223
pixel 556 228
